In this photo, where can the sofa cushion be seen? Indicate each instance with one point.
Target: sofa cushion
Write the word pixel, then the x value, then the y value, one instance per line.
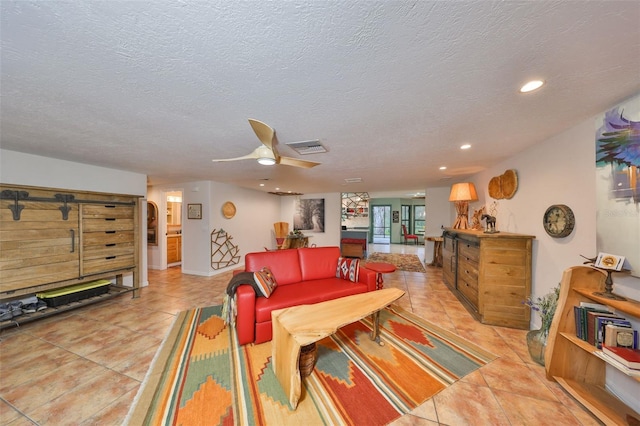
pixel 305 293
pixel 265 281
pixel 284 265
pixel 318 262
pixel 348 269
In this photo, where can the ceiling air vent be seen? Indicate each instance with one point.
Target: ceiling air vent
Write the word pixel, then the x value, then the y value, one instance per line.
pixel 353 180
pixel 307 147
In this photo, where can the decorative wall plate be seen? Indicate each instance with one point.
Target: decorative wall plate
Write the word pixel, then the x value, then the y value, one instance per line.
pixel 228 210
pixel 495 191
pixel 509 183
pixel 504 186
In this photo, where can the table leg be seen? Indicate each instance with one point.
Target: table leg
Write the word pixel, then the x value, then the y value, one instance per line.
pixel 375 333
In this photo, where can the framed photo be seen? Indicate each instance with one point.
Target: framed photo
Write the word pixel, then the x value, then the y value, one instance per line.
pixel 194 211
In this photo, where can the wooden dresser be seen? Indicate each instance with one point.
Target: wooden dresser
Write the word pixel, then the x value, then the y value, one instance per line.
pixel 490 274
pixel 53 238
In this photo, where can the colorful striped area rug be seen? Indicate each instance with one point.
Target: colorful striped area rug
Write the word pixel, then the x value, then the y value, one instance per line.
pixel 200 375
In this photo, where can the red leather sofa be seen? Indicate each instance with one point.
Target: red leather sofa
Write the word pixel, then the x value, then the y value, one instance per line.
pixel 303 276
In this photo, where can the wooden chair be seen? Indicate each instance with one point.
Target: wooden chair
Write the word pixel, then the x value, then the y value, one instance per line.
pixel 408 236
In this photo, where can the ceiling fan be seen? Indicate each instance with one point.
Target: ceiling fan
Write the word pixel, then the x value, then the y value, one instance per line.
pixel 267 154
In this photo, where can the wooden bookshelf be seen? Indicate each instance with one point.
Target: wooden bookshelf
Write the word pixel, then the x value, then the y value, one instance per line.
pixel 572 362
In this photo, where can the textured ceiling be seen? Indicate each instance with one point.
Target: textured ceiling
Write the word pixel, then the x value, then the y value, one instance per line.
pixel 391 88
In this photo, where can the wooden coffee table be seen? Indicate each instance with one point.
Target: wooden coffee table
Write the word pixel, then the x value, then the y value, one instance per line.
pixel 305 324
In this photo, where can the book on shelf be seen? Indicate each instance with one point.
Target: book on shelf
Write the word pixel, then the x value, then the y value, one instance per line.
pixel 620 335
pixel 592 305
pixel 628 357
pixel 610 360
pixel 602 322
pixel 581 315
pixel 595 322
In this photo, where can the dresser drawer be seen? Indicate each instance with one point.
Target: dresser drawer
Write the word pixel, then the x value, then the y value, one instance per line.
pixel 107 263
pixel 469 252
pixel 107 237
pixel 469 289
pixel 107 224
pixel 101 211
pixel 106 250
pixel 468 270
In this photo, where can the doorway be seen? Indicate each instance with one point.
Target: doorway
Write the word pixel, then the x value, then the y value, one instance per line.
pixel 381 224
pixel 174 228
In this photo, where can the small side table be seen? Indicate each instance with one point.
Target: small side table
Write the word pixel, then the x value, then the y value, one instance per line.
pixel 380 268
pixel 437 250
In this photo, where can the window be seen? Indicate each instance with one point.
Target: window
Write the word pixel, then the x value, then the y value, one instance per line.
pixel 418 220
pixel 405 217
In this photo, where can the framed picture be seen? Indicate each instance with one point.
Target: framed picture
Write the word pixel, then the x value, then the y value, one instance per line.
pixel 194 211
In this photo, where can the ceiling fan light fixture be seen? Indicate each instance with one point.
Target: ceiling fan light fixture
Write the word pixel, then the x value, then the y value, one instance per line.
pixel 531 86
pixel 266 161
pixel 265 156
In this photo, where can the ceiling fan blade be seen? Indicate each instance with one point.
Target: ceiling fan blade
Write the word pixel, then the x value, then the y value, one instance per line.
pixel 253 155
pixel 295 162
pixel 265 133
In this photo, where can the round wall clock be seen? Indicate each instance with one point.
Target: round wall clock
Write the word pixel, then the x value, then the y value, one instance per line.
pixel 558 221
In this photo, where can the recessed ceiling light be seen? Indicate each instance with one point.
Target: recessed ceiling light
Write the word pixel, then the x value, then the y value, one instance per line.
pixel 443 167
pixel 277 189
pixel 465 146
pixel 531 86
pixel 262 184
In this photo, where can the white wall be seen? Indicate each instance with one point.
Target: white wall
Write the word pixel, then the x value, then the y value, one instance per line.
pixel 332 217
pixel 438 212
pixel 560 170
pixel 33 170
pixel 251 229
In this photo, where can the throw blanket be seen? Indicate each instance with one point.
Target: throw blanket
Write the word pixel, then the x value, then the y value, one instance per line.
pixel 229 303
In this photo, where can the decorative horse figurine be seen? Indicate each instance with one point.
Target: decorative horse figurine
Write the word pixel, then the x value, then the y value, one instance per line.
pixel 491 223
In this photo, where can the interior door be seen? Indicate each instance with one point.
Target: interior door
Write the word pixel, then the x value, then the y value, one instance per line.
pixel 381 221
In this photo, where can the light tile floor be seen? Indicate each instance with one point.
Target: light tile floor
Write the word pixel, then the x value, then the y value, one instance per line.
pixel 85 367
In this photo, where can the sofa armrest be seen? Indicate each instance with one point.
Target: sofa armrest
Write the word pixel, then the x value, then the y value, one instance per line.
pixel 246 317
pixel 368 277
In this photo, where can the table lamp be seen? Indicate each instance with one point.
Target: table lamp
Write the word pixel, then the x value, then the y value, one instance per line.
pixel 461 194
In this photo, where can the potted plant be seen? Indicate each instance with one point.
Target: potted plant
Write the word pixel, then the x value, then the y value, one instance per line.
pixel 545 306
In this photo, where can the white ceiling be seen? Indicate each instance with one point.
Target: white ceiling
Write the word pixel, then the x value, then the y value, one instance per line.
pixel 391 88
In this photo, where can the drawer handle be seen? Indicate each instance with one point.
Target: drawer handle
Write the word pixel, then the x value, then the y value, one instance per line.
pixel 73 240
pixel 110 219
pixel 110 206
pixel 110 245
pixel 109 232
pixel 110 257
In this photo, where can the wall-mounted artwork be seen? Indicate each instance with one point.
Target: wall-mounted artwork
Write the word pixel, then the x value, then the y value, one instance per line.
pixel 618 182
pixel 309 215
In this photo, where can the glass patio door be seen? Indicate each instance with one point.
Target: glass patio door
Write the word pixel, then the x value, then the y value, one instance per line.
pixel 381 221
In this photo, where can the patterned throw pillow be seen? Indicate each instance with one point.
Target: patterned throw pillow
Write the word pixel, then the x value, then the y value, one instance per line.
pixel 348 269
pixel 265 281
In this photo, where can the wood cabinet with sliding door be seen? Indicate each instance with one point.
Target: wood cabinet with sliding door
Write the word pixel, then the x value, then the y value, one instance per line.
pixel 51 238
